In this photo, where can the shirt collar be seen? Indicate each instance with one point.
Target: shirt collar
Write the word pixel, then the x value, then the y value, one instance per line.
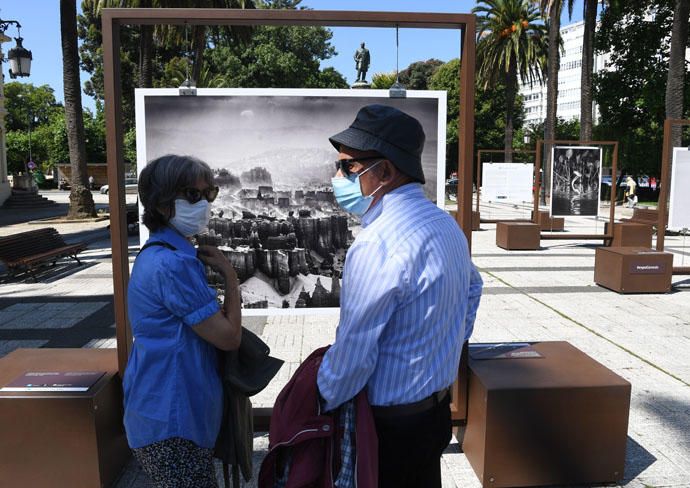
pixel 411 189
pixel 174 238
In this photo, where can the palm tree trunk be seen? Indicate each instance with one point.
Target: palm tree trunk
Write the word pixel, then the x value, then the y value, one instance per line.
pixel 80 200
pixel 676 67
pixel 511 90
pixel 199 46
pixel 586 116
pixel 553 64
pixel 146 52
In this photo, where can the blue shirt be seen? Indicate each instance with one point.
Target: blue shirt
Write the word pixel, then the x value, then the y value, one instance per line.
pixel 172 385
pixel 408 301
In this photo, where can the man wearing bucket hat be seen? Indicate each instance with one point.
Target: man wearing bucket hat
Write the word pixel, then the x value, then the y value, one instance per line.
pixel 408 300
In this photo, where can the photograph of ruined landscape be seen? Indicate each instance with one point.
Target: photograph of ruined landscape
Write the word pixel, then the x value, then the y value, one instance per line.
pixel 276 218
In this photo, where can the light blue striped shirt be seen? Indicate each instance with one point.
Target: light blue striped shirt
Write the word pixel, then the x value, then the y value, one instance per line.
pixel 408 301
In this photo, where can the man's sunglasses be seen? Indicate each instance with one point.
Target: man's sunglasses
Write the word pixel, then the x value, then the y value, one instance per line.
pixel 194 195
pixel 344 165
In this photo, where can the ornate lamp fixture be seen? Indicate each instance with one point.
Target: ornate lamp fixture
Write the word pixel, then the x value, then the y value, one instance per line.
pixel 19 57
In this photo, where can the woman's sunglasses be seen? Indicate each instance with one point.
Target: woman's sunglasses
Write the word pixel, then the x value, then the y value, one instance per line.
pixel 194 195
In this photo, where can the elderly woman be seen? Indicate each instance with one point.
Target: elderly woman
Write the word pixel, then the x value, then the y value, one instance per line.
pixel 173 394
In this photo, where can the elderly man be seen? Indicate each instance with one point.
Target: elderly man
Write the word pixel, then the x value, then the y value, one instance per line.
pixel 408 300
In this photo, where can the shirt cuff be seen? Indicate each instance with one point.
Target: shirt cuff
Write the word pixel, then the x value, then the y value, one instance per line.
pixel 199 315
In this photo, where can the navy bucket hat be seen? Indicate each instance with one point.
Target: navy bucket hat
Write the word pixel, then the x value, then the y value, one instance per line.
pixel 390 132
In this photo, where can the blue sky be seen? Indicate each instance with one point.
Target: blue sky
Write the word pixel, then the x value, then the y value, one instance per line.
pixel 40 21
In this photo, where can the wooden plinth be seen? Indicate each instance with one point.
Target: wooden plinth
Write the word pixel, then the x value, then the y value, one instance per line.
pixel 629 234
pixel 517 235
pixel 62 439
pixel 548 223
pixel 560 419
pixel 633 269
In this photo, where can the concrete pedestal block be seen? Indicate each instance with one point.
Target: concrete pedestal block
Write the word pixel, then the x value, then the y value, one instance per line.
pixel 59 438
pixel 517 235
pixel 555 420
pixel 633 269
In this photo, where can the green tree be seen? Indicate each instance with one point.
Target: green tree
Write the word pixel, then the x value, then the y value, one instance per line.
pixel 81 201
pixel 278 56
pixel 418 74
pixel 23 100
pixel 266 56
pixel 489 111
pixel 28 104
pixel 511 44
pixel 630 93
pixel 383 81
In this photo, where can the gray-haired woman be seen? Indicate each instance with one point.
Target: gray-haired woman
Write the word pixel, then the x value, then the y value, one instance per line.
pixel 173 394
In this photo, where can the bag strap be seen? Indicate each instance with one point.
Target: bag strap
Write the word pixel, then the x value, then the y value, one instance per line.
pixel 157 243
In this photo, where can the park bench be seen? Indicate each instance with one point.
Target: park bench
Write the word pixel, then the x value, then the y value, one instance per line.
pixel 26 250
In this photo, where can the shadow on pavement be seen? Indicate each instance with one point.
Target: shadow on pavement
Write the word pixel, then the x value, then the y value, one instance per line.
pixel 85 318
pixel 637 460
pixel 46 273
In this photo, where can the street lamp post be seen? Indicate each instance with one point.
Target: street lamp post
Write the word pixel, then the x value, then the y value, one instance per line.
pixel 19 59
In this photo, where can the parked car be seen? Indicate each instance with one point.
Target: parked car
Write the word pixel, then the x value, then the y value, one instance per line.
pixel 131 186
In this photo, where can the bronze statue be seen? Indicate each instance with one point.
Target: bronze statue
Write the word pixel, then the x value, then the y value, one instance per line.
pixel 362 60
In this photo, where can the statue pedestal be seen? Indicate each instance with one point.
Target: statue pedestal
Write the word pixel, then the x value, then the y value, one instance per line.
pixel 358 85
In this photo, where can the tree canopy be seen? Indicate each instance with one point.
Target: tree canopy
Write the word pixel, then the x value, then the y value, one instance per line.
pixel 630 92
pixel 489 106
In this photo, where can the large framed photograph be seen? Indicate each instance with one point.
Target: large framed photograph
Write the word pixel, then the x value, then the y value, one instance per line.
pixel 276 218
pixel 679 201
pixel 507 182
pixel 575 181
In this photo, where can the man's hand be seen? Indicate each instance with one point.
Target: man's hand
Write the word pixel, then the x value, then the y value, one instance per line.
pixel 213 257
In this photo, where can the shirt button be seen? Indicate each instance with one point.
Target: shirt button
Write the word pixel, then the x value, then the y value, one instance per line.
pixel 326 428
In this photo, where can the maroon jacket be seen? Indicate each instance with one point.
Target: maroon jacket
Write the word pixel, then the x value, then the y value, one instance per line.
pixel 309 440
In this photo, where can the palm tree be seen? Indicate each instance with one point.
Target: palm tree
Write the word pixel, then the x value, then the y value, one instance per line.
pixel 552 9
pixel 80 199
pixel 586 118
pixel 511 43
pixel 676 67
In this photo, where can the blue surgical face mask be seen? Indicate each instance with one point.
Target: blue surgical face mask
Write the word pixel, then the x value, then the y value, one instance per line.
pixel 348 192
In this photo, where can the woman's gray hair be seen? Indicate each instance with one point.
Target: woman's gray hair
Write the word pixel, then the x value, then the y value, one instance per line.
pixel 162 179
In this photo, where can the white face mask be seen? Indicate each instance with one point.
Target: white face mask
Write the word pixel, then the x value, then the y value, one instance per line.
pixel 191 218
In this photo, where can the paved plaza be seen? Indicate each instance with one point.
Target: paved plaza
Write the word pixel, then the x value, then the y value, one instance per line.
pixel 542 295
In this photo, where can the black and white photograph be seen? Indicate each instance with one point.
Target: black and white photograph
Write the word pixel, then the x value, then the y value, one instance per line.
pixel 575 181
pixel 276 217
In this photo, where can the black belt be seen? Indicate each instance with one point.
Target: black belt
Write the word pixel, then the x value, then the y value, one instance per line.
pixel 410 408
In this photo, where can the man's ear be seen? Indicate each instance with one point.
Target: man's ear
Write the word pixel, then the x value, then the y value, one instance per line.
pixel 388 173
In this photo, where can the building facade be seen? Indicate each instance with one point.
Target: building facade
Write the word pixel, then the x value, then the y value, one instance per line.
pixel 569 80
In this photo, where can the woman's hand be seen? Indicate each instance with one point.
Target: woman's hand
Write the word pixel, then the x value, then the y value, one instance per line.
pixel 213 257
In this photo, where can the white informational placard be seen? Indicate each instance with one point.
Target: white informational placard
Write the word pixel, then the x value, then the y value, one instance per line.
pixel 507 182
pixel 575 181
pixel 276 217
pixel 679 203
